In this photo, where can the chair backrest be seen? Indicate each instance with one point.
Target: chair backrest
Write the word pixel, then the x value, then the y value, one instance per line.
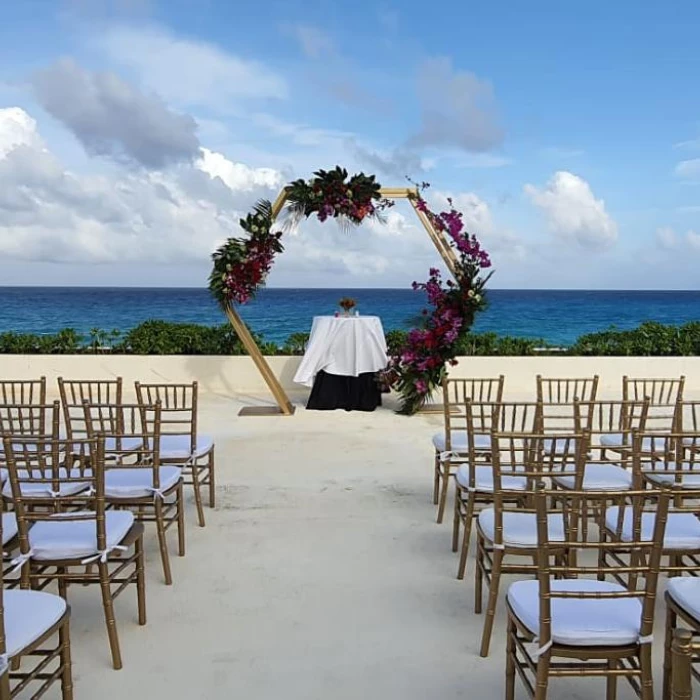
pixel 23 391
pixel 631 561
pixel 688 416
pixel 178 404
pixel 664 396
pixel 524 459
pixel 660 392
pixel 74 392
pixel 132 434
pixel 4 679
pixel 611 417
pixel 563 390
pixel 30 420
pixel 54 477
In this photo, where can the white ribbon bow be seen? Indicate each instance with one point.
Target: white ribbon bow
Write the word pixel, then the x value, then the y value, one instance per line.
pixel 103 554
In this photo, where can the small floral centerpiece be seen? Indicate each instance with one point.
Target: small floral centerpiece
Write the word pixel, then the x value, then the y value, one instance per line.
pixel 330 194
pixel 347 304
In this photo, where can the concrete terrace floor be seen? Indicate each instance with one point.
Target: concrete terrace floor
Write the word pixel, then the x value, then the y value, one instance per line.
pixel 320 575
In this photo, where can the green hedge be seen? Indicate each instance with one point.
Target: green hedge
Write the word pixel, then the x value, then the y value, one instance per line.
pixel 164 338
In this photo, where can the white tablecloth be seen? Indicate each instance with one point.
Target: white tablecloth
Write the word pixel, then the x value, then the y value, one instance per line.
pixel 344 345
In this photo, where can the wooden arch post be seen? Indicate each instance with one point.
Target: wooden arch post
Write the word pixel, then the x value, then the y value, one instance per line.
pixel 284 406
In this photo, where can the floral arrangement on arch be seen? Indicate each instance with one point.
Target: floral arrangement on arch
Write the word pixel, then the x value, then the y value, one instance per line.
pixel 420 366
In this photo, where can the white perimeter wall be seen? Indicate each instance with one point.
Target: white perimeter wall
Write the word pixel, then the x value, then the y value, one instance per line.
pixel 232 375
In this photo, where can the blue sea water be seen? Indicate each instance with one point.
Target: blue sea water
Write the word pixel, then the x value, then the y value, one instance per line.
pixel 556 316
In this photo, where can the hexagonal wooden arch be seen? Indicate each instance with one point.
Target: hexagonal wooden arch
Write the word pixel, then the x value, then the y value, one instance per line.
pixel 284 406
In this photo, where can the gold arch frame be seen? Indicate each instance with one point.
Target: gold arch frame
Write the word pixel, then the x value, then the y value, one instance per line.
pixel 284 406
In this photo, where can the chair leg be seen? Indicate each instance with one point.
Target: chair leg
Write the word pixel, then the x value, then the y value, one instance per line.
pixel 611 682
pixel 436 479
pixel 542 676
pixel 479 574
pixel 456 521
pixel 66 667
pixel 140 580
pixel 180 505
pixel 162 542
pixel 108 605
pixel 511 659
pixel 212 481
pixel 445 471
pixel 197 494
pixel 492 602
pixel 646 682
pixel 466 536
pixel 671 622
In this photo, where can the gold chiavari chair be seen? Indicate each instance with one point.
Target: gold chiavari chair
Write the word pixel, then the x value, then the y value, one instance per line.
pixel 74 393
pixel 508 529
pixel 474 480
pixel 662 460
pixel 688 421
pixel 137 480
pixel 563 390
pixel 29 621
pixel 453 441
pixel 583 624
pixel 601 473
pixel 682 605
pixel 23 391
pixel 61 533
pixel 683 650
pixel 39 422
pixel 180 441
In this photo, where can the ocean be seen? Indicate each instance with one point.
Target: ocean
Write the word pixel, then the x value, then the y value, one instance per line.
pixel 556 316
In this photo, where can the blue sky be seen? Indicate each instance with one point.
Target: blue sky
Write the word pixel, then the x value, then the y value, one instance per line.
pixel 134 133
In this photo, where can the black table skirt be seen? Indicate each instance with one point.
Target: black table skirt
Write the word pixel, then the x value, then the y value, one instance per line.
pixel 331 391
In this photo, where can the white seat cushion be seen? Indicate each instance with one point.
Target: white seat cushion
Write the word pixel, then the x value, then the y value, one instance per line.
pixel 9 527
pixel 138 482
pixel 59 538
pixel 685 590
pixel 660 474
pixel 682 529
pixel 458 438
pixel 615 440
pixel 692 442
pixel 33 489
pixel 178 446
pixel 483 479
pixel 597 477
pixel 28 615
pixel 520 529
pixel 580 621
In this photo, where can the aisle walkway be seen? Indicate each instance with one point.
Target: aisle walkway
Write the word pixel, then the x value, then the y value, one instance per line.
pixel 321 576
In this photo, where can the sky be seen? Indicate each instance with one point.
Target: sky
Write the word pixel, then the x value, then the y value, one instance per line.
pixel 135 133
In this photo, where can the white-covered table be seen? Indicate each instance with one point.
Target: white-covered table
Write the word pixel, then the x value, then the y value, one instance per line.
pixel 340 362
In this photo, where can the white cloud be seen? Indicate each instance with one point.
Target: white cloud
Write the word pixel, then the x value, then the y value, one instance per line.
pixel 111 117
pixel 666 238
pixel 690 145
pixel 179 214
pixel 688 169
pixel 238 176
pixel 693 239
pixel 187 72
pixel 572 210
pixel 313 41
pixel 18 129
pixel 458 109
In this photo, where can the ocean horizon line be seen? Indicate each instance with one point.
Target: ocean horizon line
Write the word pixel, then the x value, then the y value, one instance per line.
pixel 655 290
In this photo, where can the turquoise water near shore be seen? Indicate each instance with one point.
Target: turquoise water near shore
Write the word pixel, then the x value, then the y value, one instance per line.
pixel 556 316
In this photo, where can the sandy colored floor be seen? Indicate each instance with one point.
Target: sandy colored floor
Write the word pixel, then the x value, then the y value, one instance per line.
pixel 320 575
